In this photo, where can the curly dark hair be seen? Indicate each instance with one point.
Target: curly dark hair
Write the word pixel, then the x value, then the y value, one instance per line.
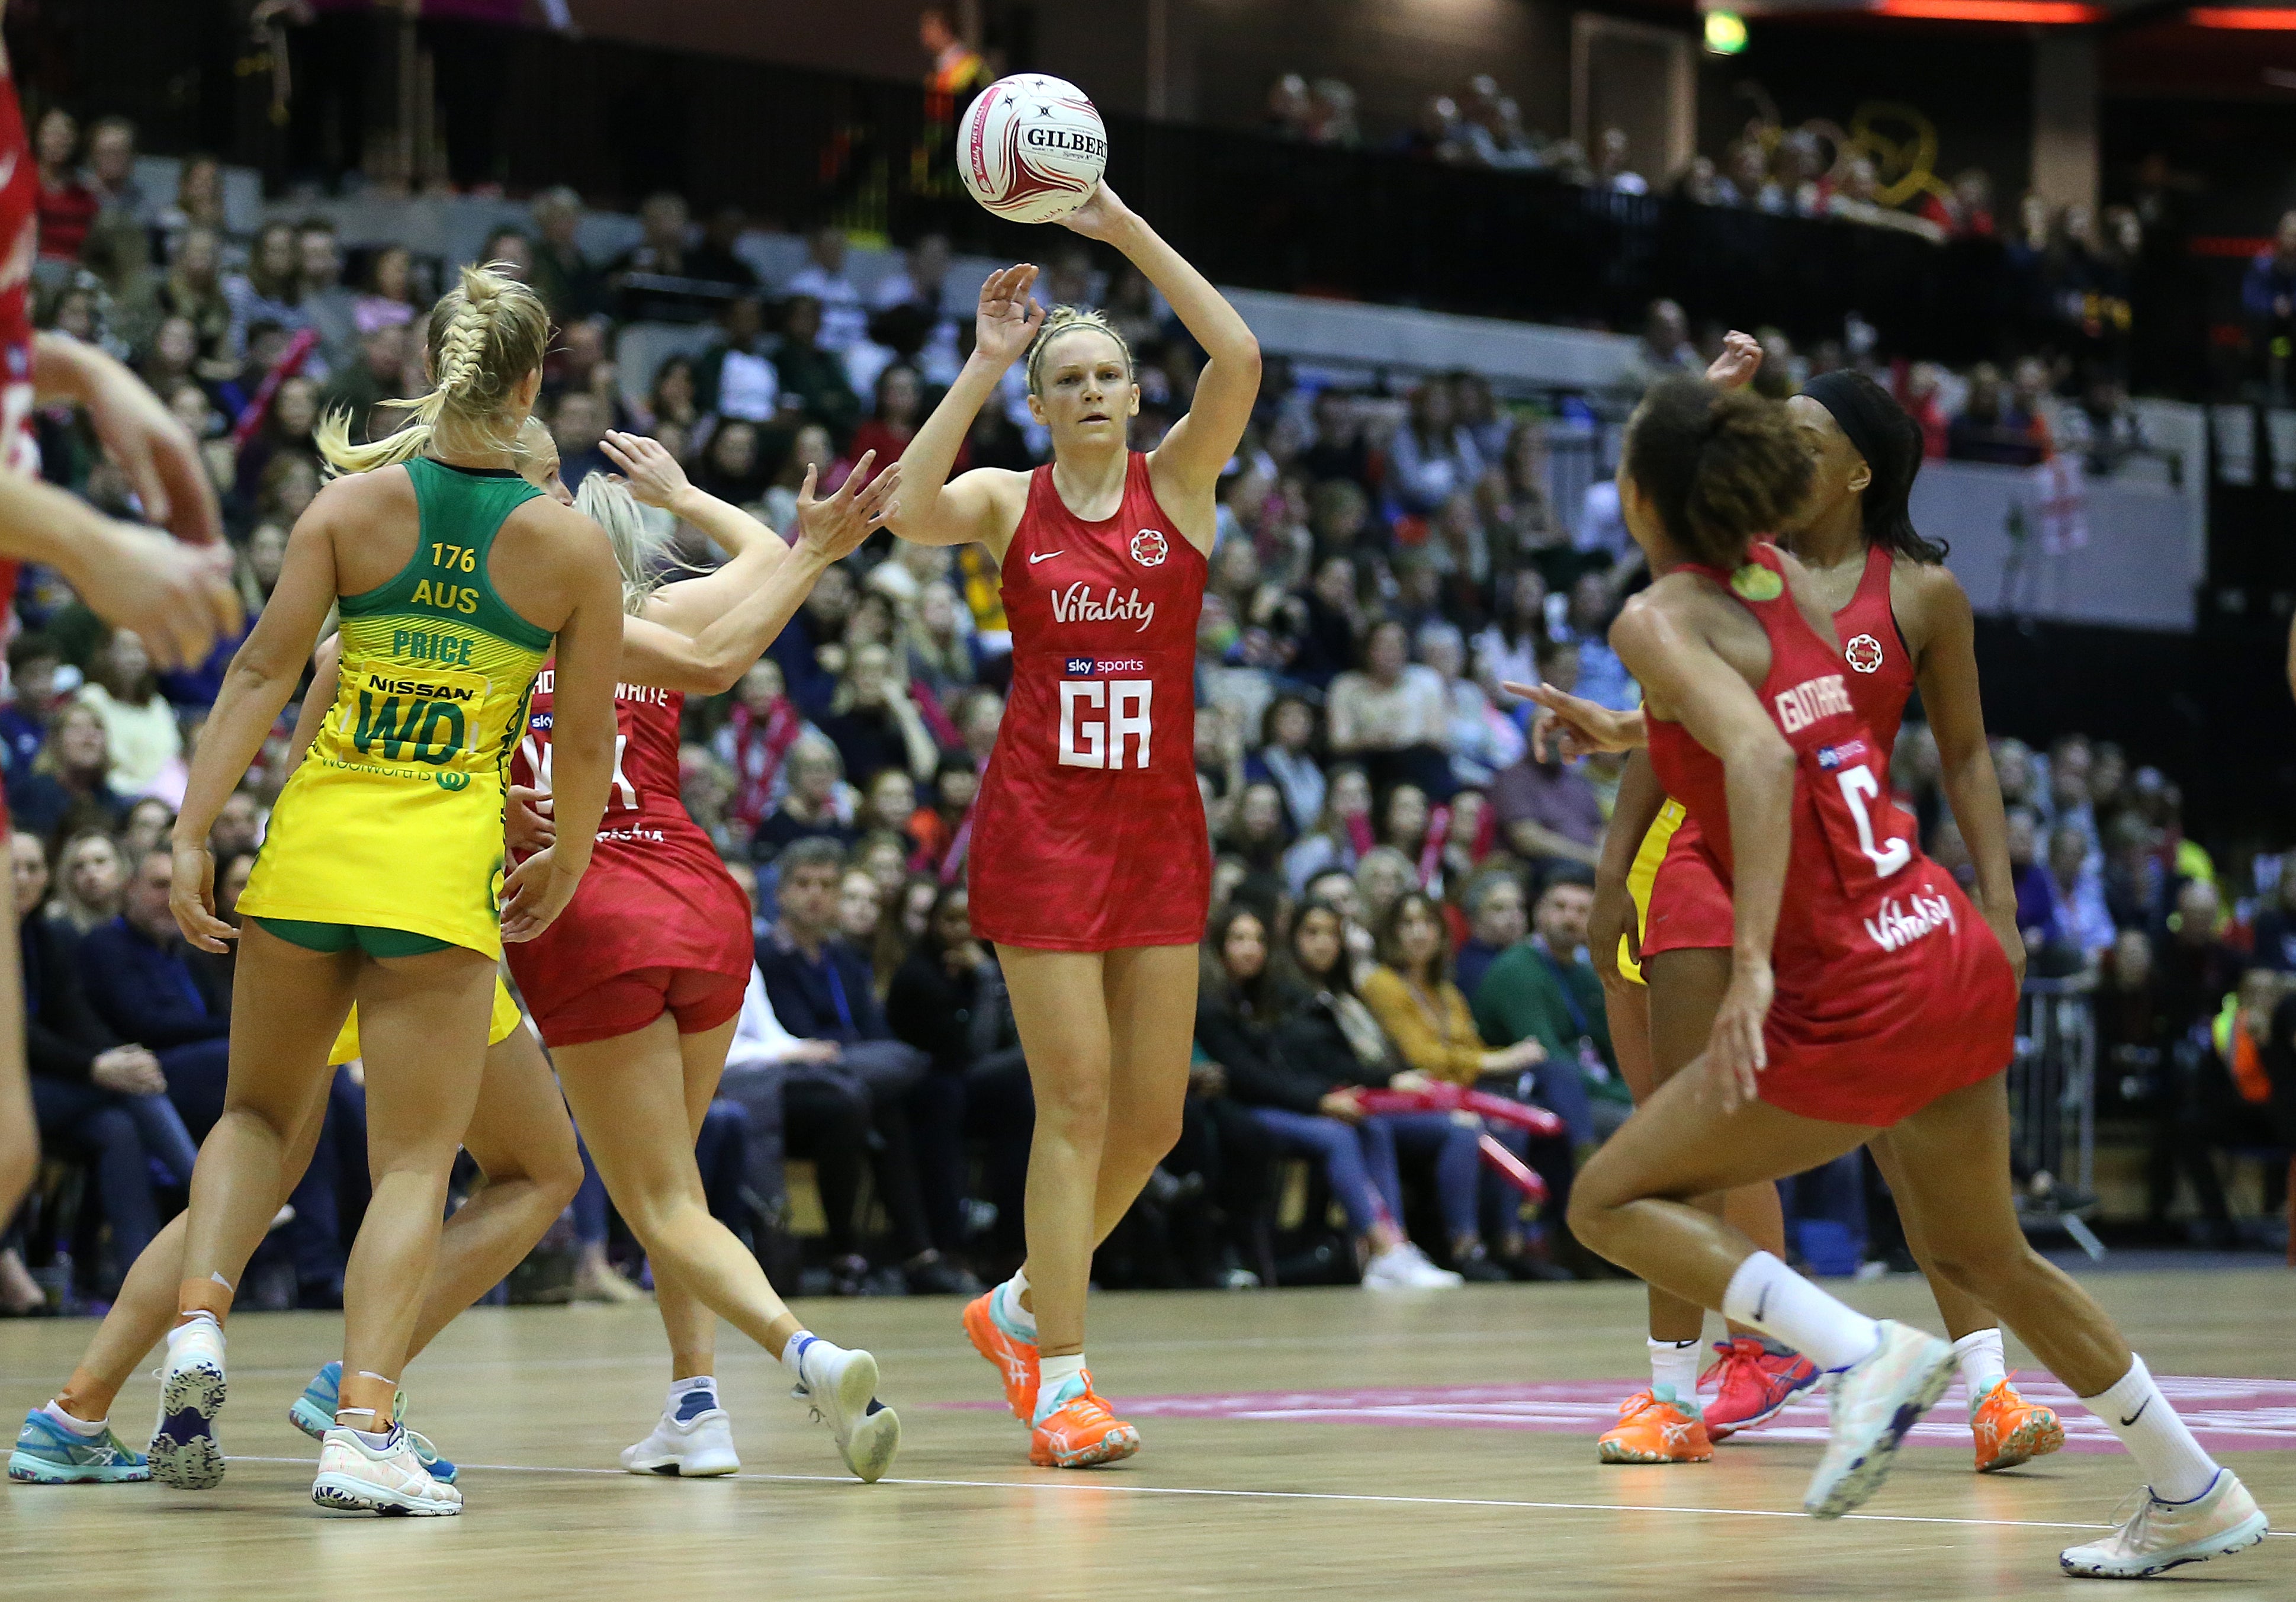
pixel 1723 466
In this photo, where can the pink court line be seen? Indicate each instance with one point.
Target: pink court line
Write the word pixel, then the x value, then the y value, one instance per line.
pixel 1110 1488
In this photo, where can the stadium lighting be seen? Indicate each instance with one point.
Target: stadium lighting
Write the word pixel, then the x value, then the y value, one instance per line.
pixel 2038 11
pixel 2257 19
pixel 1726 33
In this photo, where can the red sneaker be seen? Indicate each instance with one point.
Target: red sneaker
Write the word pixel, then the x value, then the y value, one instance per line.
pixel 1751 1383
pixel 1014 1357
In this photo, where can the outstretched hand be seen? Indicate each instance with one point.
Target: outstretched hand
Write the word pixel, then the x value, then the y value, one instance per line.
pixel 1573 727
pixel 861 506
pixel 1009 317
pixel 654 476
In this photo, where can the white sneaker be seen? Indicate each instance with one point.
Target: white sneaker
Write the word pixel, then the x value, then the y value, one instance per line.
pixel 1405 1268
pixel 355 1477
pixel 1875 1400
pixel 841 1387
pixel 184 1452
pixel 2219 1522
pixel 693 1447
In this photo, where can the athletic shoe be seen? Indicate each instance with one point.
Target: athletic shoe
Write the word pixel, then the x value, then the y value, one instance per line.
pixel 1080 1432
pixel 2009 1429
pixel 1656 1429
pixel 1751 1384
pixel 183 1450
pixel 2160 1535
pixel 694 1443
pixel 1404 1267
pixel 1876 1400
pixel 313 1414
pixel 49 1454
pixel 841 1388
pixel 355 1477
pixel 1014 1354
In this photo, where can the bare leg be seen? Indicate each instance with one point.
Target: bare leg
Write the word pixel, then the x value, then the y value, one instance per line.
pixel 292 1004
pixel 1963 1313
pixel 423 1031
pixel 1151 1023
pixel 629 1096
pixel 20 1131
pixel 1059 1004
pixel 523 1142
pixel 691 1327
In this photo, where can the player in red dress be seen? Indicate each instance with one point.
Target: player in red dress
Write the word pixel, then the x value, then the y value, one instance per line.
pixel 636 988
pixel 1865 994
pixel 181 602
pixel 1903 621
pixel 1090 866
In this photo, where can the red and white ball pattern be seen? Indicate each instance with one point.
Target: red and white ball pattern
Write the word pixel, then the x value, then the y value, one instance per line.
pixel 1031 147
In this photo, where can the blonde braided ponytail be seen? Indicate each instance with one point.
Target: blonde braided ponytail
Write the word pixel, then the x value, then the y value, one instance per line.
pixel 485 337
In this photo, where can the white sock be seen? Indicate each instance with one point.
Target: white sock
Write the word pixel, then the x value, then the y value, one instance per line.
pixel 1982 1366
pixel 2176 1466
pixel 1674 1367
pixel 77 1426
pixel 1053 1373
pixel 1778 1302
pixel 793 1352
pixel 672 1405
pixel 191 1319
pixel 1008 1303
pixel 380 1440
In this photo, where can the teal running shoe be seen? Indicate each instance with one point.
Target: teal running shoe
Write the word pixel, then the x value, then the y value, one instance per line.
pixel 48 1454
pixel 313 1414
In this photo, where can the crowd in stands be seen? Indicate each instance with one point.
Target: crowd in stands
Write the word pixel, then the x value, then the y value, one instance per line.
pixel 1402 886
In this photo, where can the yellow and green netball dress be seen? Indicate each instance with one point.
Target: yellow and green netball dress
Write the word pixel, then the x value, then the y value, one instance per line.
pixel 390 835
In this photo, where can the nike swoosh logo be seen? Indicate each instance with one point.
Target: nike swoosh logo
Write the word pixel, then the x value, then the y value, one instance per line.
pixel 1762 1305
pixel 2138 1414
pixel 1045 556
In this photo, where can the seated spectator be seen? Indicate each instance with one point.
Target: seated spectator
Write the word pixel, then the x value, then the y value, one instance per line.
pixel 808 807
pixel 1495 921
pixel 821 989
pixel 331 306
pixel 660 252
pixel 375 374
pixel 68 788
pixel 873 723
pixel 810 450
pixel 1392 715
pixel 948 999
pixel 893 422
pixel 1411 994
pixel 93 1097
pixel 1965 211
pixel 577 424
pixel 1547 811
pixel 33 660
pixel 65 206
pixel 1433 456
pixel 736 376
pixel 90 878
pixel 943 830
pixel 1382 877
pixel 1256 832
pixel 387 301
pixel 1599 675
pixel 1482 739
pixel 145 741
pixel 1613 164
pixel 1309 1107
pixel 562 275
pixel 889 806
pixel 137 975
pixel 675 399
pixel 718 258
pixel 844 313
pixel 1990 428
pixel 2061 910
pixel 145 827
pixel 270 291
pixel 1286 759
pixel 1337 839
pixel 811 375
pixel 939 640
pixel 1543 988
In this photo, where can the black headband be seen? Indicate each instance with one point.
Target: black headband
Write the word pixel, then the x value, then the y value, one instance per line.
pixel 1864 413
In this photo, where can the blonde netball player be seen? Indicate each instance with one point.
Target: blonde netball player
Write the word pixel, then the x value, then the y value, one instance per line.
pixel 381 879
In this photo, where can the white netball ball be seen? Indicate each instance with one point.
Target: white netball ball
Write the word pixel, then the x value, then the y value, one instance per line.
pixel 1031 147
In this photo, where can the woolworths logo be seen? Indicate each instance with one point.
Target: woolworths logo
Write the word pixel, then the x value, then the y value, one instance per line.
pixel 453 781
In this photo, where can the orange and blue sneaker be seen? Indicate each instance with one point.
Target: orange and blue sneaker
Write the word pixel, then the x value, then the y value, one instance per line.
pixel 1003 1342
pixel 1074 1429
pixel 1656 1426
pixel 1752 1380
pixel 2009 1429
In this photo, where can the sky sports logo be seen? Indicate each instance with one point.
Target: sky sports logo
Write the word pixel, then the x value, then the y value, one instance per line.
pixel 1833 756
pixel 1087 667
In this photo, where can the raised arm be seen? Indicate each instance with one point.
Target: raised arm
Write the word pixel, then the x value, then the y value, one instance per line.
pixel 1946 675
pixel 1189 461
pixel 178 597
pixel 262 676
pixel 157 452
pixel 1684 677
pixel 982 504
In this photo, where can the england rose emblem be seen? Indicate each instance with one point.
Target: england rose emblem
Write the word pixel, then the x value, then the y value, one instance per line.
pixel 1864 654
pixel 1149 548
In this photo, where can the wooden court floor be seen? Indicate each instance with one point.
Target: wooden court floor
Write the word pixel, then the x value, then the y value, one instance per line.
pixel 1381 1453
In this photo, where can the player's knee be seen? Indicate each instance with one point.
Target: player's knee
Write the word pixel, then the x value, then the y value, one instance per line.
pixel 1593 1212
pixel 1074 1101
pixel 558 1175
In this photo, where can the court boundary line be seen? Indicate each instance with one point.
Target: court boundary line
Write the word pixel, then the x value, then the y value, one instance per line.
pixel 1117 1488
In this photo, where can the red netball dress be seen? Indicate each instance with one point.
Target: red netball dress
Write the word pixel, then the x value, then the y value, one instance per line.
pixel 1891 992
pixel 657 923
pixel 1689 904
pixel 1089 833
